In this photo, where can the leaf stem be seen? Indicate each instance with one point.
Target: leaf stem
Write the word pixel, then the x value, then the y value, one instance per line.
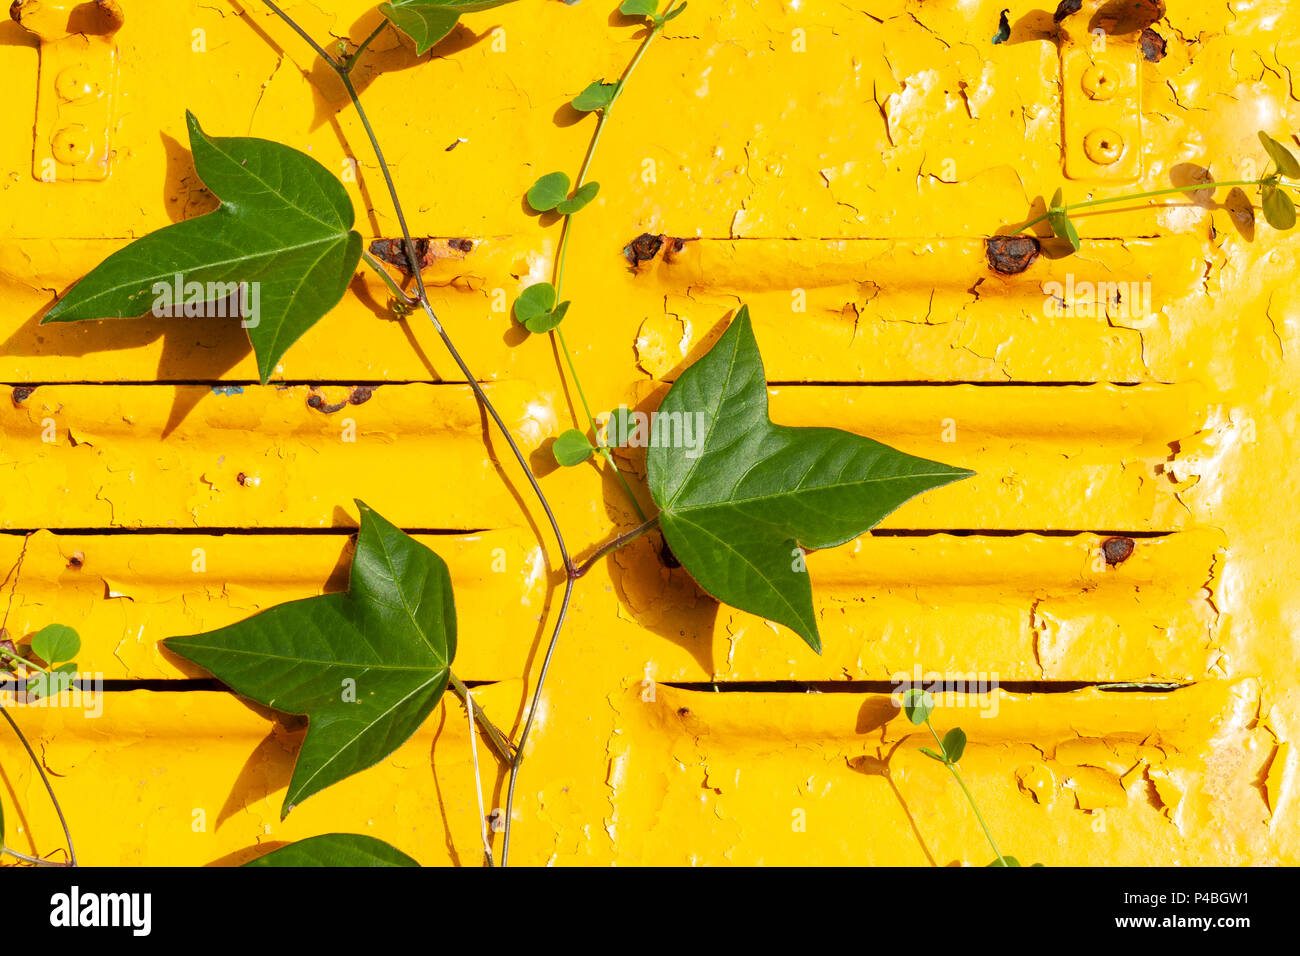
pixel 24 661
pixel 622 540
pixel 1128 197
pixel 561 252
pixel 67 834
pixel 478 779
pixel 500 743
pixel 952 768
pixel 487 406
pixel 31 859
pixel 356 55
pixel 395 289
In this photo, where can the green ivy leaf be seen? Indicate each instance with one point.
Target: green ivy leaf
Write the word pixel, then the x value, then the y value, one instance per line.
pixel 285 223
pixel 917 705
pixel 56 642
pixel 585 194
pixel 1279 211
pixel 428 21
pixel 738 495
pixel 335 849
pixel 954 744
pixel 1282 157
pixel 638 8
pixel 366 667
pixel 572 448
pixel 548 192
pixel 597 96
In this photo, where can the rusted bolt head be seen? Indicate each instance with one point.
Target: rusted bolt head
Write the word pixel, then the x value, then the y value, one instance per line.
pixel 1117 550
pixel 1011 255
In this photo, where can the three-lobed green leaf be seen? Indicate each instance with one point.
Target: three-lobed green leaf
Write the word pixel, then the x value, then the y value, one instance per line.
pixel 335 849
pixel 284 228
pixel 428 21
pixel 366 666
pixel 741 498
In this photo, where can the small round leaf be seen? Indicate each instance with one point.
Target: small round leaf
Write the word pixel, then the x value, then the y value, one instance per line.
pixel 620 427
pixel 917 704
pixel 548 192
pixel 535 301
pixel 1279 211
pixel 675 12
pixel 585 194
pixel 1056 199
pixel 1063 228
pixel 954 744
pixel 1006 861
pixel 547 320
pixel 597 96
pixel 932 755
pixel 572 448
pixel 638 8
pixel 55 643
pixel 1282 157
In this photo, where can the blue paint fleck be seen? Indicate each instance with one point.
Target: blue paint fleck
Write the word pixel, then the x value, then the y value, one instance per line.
pixel 227 389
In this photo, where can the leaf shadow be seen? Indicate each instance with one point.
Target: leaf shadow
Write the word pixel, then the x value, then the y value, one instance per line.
pixel 870 716
pixel 247 854
pixel 268 768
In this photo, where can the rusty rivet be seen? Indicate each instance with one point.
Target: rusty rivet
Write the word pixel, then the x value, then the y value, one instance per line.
pixel 1011 255
pixel 72 145
pixel 1100 81
pixel 1103 146
pixel 75 84
pixel 1117 550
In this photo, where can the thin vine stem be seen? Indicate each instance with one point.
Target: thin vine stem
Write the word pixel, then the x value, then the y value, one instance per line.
pixel 67 834
pixel 413 260
pixel 1149 194
pixel 621 541
pixel 952 768
pixel 561 253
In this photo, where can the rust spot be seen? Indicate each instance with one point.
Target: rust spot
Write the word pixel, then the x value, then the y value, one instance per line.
pixel 359 395
pixel 1065 8
pixel 461 245
pixel 76 561
pixel 1152 45
pixel 1011 255
pixel 1126 16
pixel 1117 550
pixel 683 712
pixel 22 393
pixel 393 252
pixel 673 247
pixel 643 248
pixel 242 479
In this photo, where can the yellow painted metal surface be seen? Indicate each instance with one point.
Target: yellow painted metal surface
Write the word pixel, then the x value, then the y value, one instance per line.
pixel 836 167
